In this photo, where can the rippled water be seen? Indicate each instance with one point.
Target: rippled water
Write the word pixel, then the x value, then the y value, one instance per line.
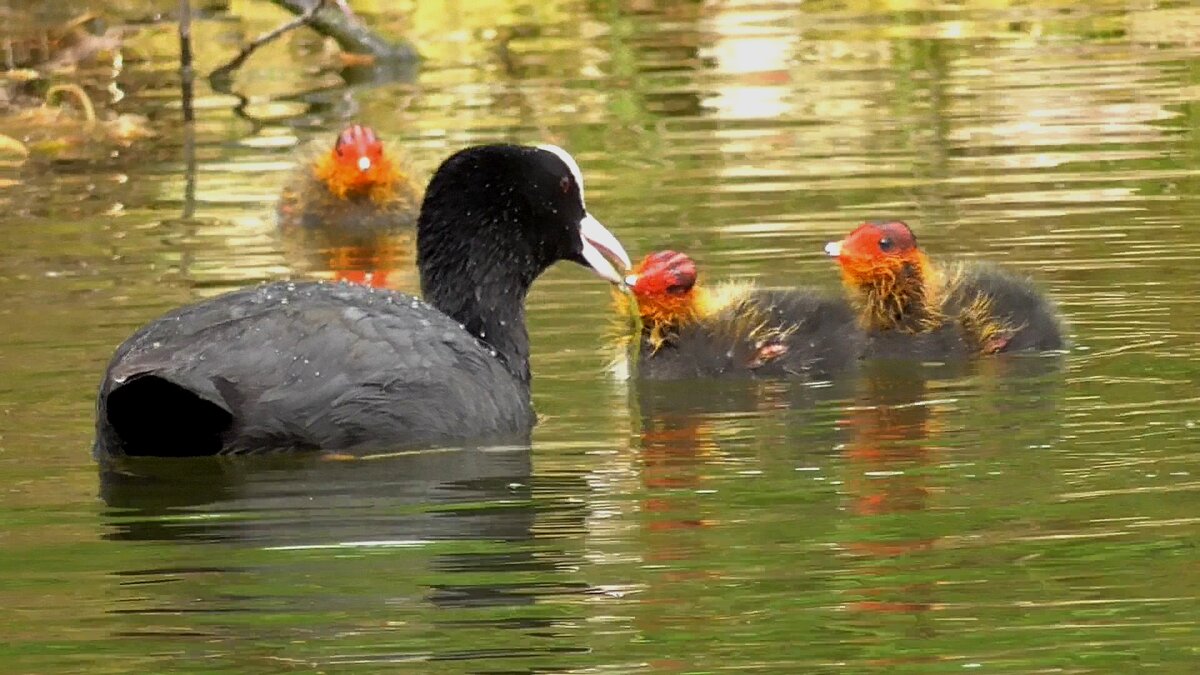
pixel 1022 514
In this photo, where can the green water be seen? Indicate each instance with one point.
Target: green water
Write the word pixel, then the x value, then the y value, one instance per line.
pixel 1017 515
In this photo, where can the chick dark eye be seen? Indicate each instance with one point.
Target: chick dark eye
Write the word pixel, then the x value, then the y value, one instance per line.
pixel 886 245
pixel 565 184
pixel 677 289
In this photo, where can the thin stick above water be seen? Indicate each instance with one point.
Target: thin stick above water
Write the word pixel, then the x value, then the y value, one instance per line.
pixel 187 77
pixel 270 36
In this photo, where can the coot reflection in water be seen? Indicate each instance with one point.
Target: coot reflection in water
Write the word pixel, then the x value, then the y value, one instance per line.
pixel 365 546
pixel 312 503
pixel 314 500
pixel 1004 385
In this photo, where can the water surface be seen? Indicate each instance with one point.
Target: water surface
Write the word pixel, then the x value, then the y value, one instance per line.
pixel 1016 514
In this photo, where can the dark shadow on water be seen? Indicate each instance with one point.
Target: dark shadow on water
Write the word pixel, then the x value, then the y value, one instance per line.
pixel 999 385
pixel 672 398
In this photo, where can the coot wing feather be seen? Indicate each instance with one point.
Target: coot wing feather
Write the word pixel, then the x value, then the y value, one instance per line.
pixel 314 366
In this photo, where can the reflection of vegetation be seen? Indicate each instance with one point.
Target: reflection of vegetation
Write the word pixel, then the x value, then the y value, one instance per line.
pixel 54 131
pixel 54 64
pixel 362 46
pixel 62 46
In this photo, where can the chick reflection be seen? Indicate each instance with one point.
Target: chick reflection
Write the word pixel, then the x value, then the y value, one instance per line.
pixel 673 450
pixel 678 442
pixel 687 433
pixel 890 427
pixel 381 261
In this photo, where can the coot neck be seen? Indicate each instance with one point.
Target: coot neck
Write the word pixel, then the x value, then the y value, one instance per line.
pixel 495 315
pixel 481 282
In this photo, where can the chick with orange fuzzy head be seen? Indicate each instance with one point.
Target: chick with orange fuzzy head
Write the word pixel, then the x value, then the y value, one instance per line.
pixel 355 187
pixel 890 280
pixel 910 306
pixel 663 289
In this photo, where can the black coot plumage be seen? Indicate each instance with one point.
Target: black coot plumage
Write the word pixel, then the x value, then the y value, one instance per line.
pixel 295 366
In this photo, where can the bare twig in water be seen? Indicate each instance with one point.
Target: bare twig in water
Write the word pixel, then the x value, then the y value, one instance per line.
pixel 237 61
pixel 354 36
pixel 187 76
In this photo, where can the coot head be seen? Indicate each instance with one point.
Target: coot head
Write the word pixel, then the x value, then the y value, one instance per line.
pixel 874 243
pixel 501 214
pixel 493 219
pixel 662 273
pixel 357 165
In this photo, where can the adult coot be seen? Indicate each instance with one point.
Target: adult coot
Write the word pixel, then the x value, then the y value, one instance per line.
pixel 356 187
pixel 731 329
pixel 912 308
pixel 294 366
